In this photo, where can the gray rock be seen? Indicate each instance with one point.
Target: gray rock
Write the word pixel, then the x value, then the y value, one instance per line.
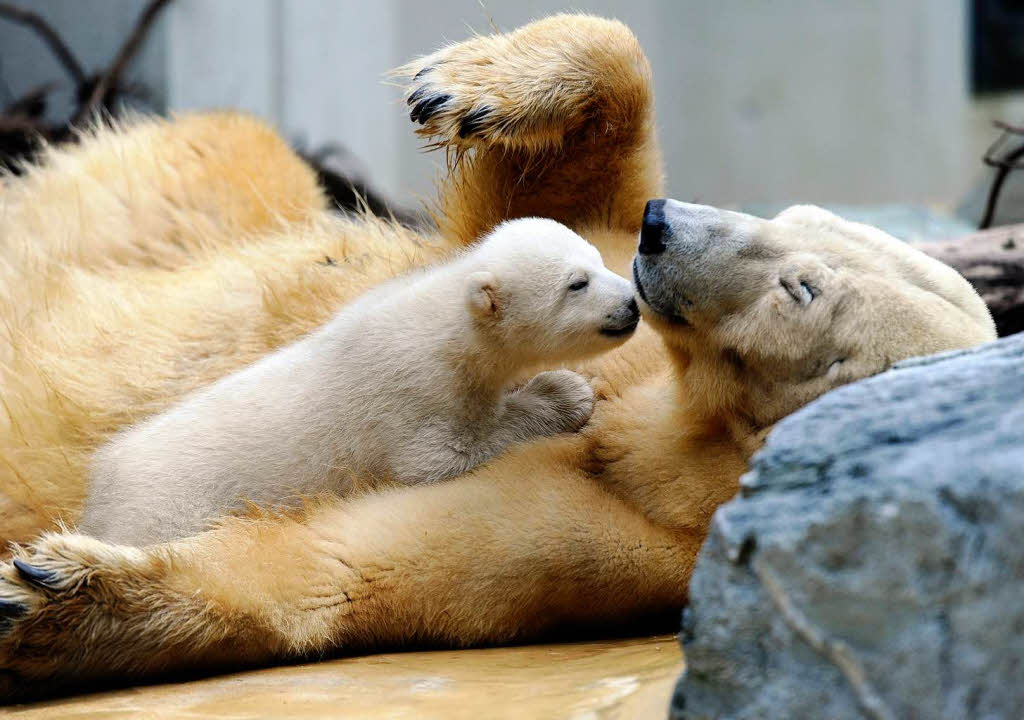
pixel 873 565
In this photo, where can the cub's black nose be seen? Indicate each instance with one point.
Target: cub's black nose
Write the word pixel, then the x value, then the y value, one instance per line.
pixel 653 229
pixel 623 321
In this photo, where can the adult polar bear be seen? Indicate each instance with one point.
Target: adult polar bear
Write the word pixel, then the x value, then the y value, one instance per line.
pixel 167 255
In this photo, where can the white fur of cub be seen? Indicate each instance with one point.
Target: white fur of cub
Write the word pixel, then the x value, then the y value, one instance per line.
pixel 410 382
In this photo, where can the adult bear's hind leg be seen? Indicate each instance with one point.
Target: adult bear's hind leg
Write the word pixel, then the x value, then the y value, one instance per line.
pixel 536 545
pixel 554 119
pixel 74 609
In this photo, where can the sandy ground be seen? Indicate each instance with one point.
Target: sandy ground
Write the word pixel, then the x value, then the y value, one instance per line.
pixel 598 680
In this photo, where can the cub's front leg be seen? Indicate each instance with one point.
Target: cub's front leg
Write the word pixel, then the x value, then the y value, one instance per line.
pixel 552 402
pixel 558 401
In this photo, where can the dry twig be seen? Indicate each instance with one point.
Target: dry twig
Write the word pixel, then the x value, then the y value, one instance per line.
pixel 23 124
pixel 109 81
pixel 1004 164
pixel 42 28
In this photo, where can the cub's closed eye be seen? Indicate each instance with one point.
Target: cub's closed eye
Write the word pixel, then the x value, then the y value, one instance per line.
pixel 579 285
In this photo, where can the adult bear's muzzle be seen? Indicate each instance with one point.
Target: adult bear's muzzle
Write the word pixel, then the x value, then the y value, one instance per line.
pixel 684 256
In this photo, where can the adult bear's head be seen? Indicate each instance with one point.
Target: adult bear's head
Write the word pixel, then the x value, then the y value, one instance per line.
pixel 768 314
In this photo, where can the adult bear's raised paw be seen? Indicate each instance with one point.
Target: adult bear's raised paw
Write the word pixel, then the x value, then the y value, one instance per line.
pixel 530 87
pixel 444 97
pixel 430 103
pixel 555 119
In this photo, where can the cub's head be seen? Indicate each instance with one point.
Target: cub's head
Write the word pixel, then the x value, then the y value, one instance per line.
pixel 776 312
pixel 543 293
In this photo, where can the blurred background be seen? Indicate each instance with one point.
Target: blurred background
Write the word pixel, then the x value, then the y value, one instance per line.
pixel 877 102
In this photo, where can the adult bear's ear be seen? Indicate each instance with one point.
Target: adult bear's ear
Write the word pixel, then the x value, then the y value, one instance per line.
pixel 482 295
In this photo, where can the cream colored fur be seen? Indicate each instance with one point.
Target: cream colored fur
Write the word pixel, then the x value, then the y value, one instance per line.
pixel 409 383
pixel 108 325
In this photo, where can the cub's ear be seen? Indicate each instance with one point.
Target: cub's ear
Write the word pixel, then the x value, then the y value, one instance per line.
pixel 482 294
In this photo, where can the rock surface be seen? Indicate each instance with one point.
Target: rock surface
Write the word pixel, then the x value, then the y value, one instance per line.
pixel 873 565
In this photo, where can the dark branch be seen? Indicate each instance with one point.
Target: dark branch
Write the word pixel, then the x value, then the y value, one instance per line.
pixel 1003 164
pixel 30 105
pixel 110 79
pixel 1007 127
pixel 49 35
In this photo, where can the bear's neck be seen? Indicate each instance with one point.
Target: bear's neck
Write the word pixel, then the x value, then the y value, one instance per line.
pixel 709 396
pixel 667 447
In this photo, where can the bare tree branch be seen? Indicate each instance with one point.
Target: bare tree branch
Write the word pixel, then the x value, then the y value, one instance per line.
pixel 50 37
pixel 1003 164
pixel 110 79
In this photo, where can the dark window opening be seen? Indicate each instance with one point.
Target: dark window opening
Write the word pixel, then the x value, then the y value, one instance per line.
pixel 997 46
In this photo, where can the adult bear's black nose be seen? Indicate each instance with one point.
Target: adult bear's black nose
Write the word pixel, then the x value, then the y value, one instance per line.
pixel 653 229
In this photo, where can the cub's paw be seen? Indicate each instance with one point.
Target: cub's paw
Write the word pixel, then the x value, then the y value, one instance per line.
pixel 567 397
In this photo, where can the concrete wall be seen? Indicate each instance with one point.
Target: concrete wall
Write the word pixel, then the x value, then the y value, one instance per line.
pixel 850 101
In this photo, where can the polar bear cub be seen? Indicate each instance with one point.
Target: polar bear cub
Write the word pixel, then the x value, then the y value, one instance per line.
pixel 412 381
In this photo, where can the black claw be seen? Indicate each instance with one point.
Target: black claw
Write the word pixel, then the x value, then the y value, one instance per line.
pixel 473 121
pixel 36 576
pixel 428 107
pixel 422 72
pixel 416 100
pixel 415 97
pixel 11 609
